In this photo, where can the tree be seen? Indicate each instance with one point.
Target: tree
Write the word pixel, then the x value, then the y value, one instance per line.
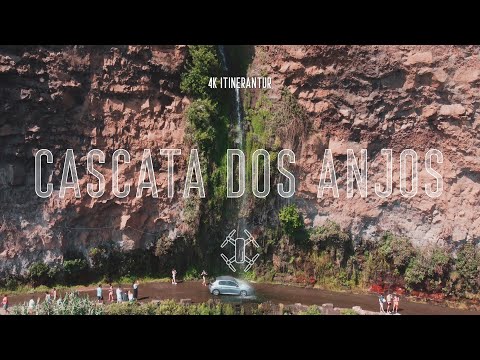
pixel 467 266
pixel 416 272
pixel 332 238
pixel 397 250
pixel 38 273
pixel 202 65
pixel 74 269
pixel 98 259
pixel 428 270
pixel 201 116
pixel 291 221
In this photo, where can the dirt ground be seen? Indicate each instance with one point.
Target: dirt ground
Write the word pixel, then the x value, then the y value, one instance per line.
pixel 267 292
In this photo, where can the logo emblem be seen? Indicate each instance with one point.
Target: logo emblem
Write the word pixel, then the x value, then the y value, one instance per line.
pixel 240 245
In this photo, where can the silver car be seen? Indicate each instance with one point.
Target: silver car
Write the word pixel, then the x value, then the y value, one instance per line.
pixel 228 285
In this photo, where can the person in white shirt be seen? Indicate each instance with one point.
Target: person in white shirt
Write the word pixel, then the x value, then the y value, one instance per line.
pixel 31 305
pixel 119 294
pixel 174 275
pixel 135 290
pixel 389 303
pixel 204 274
pixel 130 296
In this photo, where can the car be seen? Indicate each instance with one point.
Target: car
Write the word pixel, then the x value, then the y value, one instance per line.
pixel 228 285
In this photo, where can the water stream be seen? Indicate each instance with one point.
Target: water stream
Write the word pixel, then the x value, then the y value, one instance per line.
pixel 240 135
pixel 238 102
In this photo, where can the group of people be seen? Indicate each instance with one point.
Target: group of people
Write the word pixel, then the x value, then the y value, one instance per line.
pixel 392 303
pixel 51 295
pixel 203 275
pixel 121 295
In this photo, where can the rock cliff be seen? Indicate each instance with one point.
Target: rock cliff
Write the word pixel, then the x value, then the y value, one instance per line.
pixel 84 97
pixel 110 97
pixel 397 97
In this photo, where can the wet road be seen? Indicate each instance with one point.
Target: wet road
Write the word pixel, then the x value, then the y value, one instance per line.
pixel 268 292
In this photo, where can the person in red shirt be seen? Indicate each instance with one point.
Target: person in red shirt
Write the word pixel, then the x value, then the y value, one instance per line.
pixel 5 304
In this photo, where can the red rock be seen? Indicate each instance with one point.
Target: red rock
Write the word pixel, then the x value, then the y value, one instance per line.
pixel 452 110
pixel 420 58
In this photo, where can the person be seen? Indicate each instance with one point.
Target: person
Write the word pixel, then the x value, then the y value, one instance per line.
pixel 5 303
pixel 47 297
pixel 174 274
pixel 381 301
pixel 204 274
pixel 389 302
pixel 124 296
pixel 31 305
pixel 99 293
pixel 54 294
pixel 396 300
pixel 135 290
pixel 130 296
pixel 110 293
pixel 119 294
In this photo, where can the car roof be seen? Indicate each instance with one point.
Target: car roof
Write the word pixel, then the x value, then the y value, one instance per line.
pixel 226 278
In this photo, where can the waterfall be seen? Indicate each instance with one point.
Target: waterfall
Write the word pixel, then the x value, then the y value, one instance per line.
pixel 238 101
pixel 239 119
pixel 221 49
pixel 238 141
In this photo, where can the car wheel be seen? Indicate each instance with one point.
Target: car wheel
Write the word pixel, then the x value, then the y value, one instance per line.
pixel 243 293
pixel 216 292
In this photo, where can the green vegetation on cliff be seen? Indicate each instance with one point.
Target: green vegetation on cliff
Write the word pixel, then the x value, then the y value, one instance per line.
pixel 291 221
pixel 202 65
pixel 208 130
pixel 327 255
pixel 330 258
pixel 201 120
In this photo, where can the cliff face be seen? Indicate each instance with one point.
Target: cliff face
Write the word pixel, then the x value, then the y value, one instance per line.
pixel 86 97
pixel 374 97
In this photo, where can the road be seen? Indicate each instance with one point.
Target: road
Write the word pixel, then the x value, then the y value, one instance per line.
pixel 269 292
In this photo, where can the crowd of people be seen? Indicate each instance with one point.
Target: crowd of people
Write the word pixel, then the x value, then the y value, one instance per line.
pixel 118 295
pixel 392 301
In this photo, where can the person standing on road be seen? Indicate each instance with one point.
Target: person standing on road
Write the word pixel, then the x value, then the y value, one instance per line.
pixel 110 293
pixel 125 295
pixel 54 294
pixel 99 293
pixel 135 290
pixel 204 274
pixel 119 294
pixel 47 297
pixel 381 301
pixel 5 303
pixel 174 275
pixel 396 300
pixel 389 303
pixel 31 305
